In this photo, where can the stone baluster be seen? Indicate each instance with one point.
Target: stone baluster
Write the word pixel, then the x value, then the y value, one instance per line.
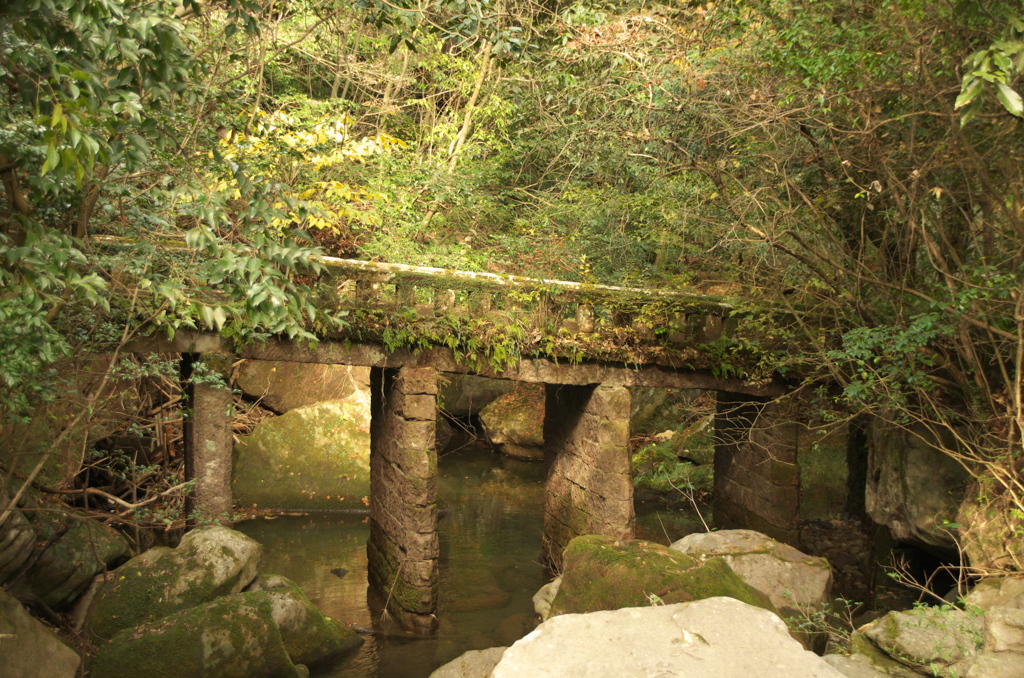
pixel 405 296
pixel 585 317
pixel 444 302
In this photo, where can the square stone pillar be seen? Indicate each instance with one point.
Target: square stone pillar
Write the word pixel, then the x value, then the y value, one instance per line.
pixel 403 548
pixel 208 439
pixel 589 487
pixel 757 477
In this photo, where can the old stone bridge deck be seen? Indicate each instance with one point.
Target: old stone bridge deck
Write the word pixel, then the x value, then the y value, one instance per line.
pixel 587 344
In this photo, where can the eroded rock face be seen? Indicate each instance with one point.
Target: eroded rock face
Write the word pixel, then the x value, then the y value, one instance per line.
pixel 313 457
pixel 914 488
pixel 284 386
pixel 308 635
pixel 30 650
pixel 231 637
pixel 514 423
pixel 600 573
pixel 792 580
pixel 713 638
pixel 210 562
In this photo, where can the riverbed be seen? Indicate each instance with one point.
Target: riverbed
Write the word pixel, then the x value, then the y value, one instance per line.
pixel 490 536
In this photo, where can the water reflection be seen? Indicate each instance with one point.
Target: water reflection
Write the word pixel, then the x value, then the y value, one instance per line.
pixel 490 531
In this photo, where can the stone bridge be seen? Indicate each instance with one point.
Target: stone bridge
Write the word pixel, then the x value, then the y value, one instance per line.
pixel 588 344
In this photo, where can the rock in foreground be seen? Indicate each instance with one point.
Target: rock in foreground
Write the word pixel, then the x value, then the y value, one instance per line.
pixel 712 638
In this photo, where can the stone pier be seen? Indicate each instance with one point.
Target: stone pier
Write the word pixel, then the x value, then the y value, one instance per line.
pixel 757 477
pixel 208 439
pixel 403 548
pixel 589 489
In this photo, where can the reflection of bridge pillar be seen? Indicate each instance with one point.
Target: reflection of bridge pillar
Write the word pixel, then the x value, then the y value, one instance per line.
pixel 403 548
pixel 589 489
pixel 757 478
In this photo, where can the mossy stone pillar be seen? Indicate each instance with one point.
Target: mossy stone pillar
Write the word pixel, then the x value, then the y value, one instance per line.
pixel 586 446
pixel 757 477
pixel 208 438
pixel 403 548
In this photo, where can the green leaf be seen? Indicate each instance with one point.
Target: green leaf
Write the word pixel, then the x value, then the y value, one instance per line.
pixel 972 87
pixel 1010 100
pixel 52 158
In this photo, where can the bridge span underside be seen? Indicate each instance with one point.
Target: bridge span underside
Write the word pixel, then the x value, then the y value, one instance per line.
pixel 586 432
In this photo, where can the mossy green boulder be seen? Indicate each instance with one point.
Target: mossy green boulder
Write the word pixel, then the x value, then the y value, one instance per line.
pixel 313 457
pixel 232 637
pixel 600 573
pixel 309 636
pixel 79 549
pixel 209 562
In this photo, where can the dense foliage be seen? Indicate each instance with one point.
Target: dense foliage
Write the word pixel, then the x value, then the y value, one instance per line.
pixel 858 163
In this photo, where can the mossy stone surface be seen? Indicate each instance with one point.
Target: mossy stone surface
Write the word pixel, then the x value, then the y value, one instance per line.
pixel 232 637
pixel 210 562
pixel 69 564
pixel 600 573
pixel 309 636
pixel 313 457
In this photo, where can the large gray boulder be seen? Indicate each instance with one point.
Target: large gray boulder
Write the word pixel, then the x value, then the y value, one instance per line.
pixel 30 650
pixel 473 664
pixel 914 488
pixel 230 637
pixel 308 635
pixel 313 457
pixel 514 423
pixel 209 562
pixel 710 638
pixel 284 386
pixel 795 582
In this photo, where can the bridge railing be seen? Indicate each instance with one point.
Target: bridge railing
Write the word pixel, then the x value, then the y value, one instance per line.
pixel 428 292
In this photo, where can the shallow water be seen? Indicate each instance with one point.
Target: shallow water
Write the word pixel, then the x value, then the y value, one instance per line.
pixel 490 535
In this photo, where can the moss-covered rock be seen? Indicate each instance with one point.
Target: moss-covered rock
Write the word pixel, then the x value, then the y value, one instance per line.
pixel 210 562
pixel 78 548
pixel 313 457
pixel 600 573
pixel 309 636
pixel 514 423
pixel 283 386
pixel 232 637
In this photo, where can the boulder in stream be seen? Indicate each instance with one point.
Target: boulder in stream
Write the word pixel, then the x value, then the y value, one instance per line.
pixel 473 664
pixel 313 457
pixel 209 562
pixel 514 423
pixel 309 636
pixel 713 638
pixel 284 386
pixel 795 582
pixel 600 573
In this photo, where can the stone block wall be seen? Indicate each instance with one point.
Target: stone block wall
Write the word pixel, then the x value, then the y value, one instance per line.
pixel 589 488
pixel 757 477
pixel 403 547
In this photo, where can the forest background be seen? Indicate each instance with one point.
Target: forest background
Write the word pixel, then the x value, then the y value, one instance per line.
pixel 856 163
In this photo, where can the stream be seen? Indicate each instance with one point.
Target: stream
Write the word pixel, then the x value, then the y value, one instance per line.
pixel 490 535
